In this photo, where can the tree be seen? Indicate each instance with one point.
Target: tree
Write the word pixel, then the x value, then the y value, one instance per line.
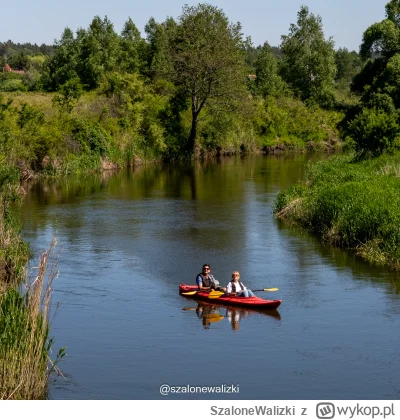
pixel 309 59
pixel 132 48
pixel 348 64
pixel 375 127
pixel 62 66
pixel 208 61
pixel 160 37
pixel 98 48
pixel 268 81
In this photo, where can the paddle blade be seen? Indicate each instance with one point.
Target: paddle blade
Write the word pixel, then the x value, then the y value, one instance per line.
pixel 215 318
pixel 215 294
pixel 273 289
pixel 189 293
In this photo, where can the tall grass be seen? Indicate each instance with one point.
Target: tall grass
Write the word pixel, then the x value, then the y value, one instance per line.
pixel 352 204
pixel 14 252
pixel 25 301
pixel 25 343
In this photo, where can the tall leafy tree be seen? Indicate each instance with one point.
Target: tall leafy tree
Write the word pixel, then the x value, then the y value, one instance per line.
pixel 268 81
pixel 133 48
pixel 375 128
pixel 62 66
pixel 160 37
pixel 309 59
pixel 208 61
pixel 98 51
pixel 348 64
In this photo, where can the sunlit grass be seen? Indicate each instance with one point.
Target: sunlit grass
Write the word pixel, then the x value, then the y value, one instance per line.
pixel 352 204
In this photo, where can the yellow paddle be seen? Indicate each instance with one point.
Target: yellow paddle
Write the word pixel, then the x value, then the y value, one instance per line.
pixel 215 294
pixel 214 317
pixel 212 293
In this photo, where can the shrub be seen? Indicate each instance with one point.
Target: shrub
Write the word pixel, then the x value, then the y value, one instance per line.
pixel 375 131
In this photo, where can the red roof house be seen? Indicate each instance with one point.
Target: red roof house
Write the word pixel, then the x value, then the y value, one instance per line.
pixel 9 69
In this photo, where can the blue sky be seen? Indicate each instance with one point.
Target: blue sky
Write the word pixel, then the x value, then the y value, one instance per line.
pixel 42 21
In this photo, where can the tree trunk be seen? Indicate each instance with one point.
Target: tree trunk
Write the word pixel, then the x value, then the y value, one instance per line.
pixel 193 134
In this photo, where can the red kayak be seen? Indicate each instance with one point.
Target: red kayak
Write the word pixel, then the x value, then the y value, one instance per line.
pixel 250 302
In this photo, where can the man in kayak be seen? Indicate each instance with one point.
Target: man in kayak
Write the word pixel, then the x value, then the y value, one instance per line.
pixel 206 281
pixel 237 288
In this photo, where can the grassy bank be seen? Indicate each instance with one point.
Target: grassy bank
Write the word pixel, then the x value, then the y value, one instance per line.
pixel 351 204
pixel 24 304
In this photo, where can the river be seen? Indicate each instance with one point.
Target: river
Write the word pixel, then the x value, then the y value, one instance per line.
pixel 128 239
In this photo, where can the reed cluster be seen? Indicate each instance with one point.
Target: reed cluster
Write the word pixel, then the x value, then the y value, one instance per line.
pixel 25 343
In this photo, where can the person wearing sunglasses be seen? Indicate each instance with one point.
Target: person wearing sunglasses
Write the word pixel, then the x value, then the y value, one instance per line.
pixel 205 280
pixel 237 288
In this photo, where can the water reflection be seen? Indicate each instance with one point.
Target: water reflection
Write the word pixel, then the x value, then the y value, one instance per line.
pixel 209 313
pixel 154 227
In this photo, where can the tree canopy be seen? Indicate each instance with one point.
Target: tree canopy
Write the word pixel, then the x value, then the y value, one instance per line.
pixel 375 128
pixel 308 58
pixel 208 60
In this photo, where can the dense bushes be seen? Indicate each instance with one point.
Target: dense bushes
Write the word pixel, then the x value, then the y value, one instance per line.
pixel 289 121
pixel 14 253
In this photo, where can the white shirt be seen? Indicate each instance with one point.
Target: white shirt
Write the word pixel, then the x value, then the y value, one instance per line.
pixel 238 288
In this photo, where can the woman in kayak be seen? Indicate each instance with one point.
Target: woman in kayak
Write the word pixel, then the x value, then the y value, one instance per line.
pixel 237 288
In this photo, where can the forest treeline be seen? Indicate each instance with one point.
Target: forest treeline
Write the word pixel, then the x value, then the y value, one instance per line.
pixel 190 85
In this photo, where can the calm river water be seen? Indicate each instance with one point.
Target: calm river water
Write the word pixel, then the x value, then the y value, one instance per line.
pixel 126 242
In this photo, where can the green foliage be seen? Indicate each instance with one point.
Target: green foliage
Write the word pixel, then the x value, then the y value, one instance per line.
pixel 29 115
pixel 160 37
pixel 132 55
pixel 12 82
pixel 348 64
pixel 14 252
pixel 208 61
pixel 92 137
pixel 308 58
pixel 182 89
pixel 286 120
pixel 268 81
pixel 70 92
pixel 375 128
pixel 98 50
pixel 63 65
pixel 19 61
pixel 375 131
pixel 351 204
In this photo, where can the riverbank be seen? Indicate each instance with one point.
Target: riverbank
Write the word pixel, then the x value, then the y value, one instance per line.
pixel 25 343
pixel 109 131
pixel 351 204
